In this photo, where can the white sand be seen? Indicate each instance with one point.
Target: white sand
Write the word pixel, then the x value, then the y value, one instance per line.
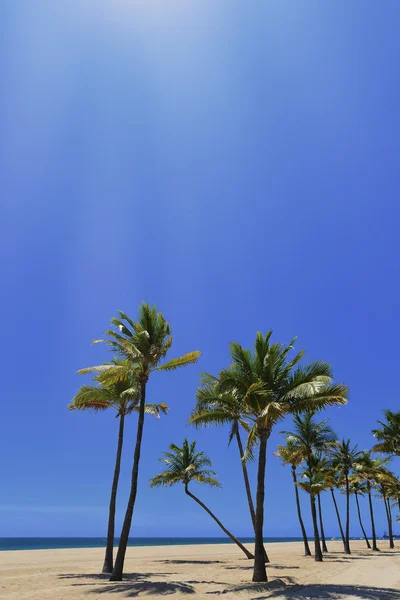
pixel 201 572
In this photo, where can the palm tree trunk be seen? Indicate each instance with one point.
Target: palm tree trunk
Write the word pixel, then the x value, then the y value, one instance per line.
pixel 317 543
pixel 324 547
pixel 307 550
pixel 109 558
pixel 361 524
pixel 247 485
pixel 260 572
pixel 389 520
pixel 117 573
pixel 371 512
pixel 224 529
pixel 338 518
pixel 347 545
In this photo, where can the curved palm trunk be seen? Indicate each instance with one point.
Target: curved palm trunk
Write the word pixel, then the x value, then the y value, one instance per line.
pixel 338 518
pixel 260 572
pixel 347 544
pixel 389 520
pixel 307 550
pixel 317 543
pixel 361 524
pixel 247 485
pixel 108 560
pixel 371 512
pixel 120 559
pixel 224 529
pixel 324 546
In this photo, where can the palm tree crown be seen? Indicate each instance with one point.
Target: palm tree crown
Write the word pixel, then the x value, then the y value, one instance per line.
pixel 388 435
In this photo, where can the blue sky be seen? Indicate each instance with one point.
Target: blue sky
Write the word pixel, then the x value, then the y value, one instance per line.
pixel 234 163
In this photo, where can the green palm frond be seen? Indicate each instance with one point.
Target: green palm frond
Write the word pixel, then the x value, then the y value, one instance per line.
pixel 188 359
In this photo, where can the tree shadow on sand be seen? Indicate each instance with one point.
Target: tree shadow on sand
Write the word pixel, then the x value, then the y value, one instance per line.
pixel 190 562
pixel 334 592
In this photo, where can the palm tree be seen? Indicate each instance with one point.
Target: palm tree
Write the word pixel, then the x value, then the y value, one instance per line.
pixel 388 435
pixel 383 482
pixel 213 408
pixel 358 488
pixel 271 387
pixel 343 459
pixel 320 467
pixel 333 483
pixel 144 344
pixel 314 485
pixel 368 470
pixel 123 397
pixel 311 436
pixel 184 465
pixel 290 455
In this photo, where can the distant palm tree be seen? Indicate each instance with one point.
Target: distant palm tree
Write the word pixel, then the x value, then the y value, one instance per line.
pixel 313 482
pixel 271 387
pixel 290 455
pixel 144 343
pixel 368 470
pixel 320 467
pixel 334 482
pixel 123 397
pixel 184 465
pixel 213 408
pixel 343 459
pixel 388 434
pixel 358 488
pixel 383 485
pixel 312 437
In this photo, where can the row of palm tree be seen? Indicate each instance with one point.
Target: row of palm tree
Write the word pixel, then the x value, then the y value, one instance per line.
pixel 259 388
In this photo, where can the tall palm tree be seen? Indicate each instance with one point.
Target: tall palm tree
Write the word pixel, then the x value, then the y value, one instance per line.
pixel 312 437
pixel 144 343
pixel 358 488
pixel 184 465
pixel 334 482
pixel 213 408
pixel 271 387
pixel 384 481
pixel 320 467
pixel 313 482
pixel 388 434
pixel 343 459
pixel 368 470
pixel 290 455
pixel 123 397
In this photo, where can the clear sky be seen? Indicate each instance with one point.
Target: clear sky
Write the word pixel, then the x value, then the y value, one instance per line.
pixel 236 163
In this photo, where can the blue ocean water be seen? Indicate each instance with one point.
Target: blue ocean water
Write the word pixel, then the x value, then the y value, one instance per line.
pixel 52 543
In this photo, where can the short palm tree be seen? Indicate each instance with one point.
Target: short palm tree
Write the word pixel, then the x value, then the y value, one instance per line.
pixel 368 470
pixel 144 344
pixel 313 482
pixel 388 434
pixel 320 467
pixel 334 482
pixel 312 437
pixel 384 479
pixel 358 488
pixel 271 386
pixel 213 408
pixel 185 465
pixel 123 397
pixel 290 455
pixel 343 458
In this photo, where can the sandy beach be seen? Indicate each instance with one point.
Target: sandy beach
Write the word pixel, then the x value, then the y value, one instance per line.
pixel 202 572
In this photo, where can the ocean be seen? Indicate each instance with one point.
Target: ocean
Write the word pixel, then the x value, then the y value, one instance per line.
pixel 53 543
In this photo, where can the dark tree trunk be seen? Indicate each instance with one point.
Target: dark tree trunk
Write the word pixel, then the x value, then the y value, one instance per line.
pixel 361 524
pixel 371 512
pixel 109 558
pixel 324 546
pixel 247 485
pixel 317 543
pixel 307 550
pixel 347 544
pixel 224 529
pixel 389 520
pixel 338 518
pixel 260 572
pixel 117 573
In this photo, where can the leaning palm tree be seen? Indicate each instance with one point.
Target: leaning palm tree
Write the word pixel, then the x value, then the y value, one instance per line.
pixel 320 467
pixel 313 482
pixel 358 488
pixel 271 386
pixel 343 459
pixel 383 482
pixel 311 437
pixel 290 455
pixel 334 482
pixel 144 344
pixel 368 470
pixel 388 434
pixel 123 397
pixel 185 465
pixel 213 408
